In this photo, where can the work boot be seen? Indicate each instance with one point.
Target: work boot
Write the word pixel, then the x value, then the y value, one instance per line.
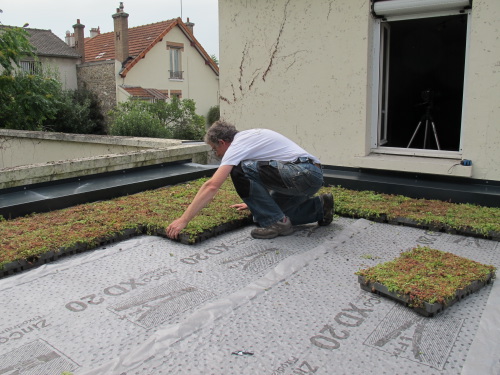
pixel 327 203
pixel 280 228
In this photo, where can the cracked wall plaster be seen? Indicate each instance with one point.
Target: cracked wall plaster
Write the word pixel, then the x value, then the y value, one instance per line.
pixel 304 68
pixel 286 68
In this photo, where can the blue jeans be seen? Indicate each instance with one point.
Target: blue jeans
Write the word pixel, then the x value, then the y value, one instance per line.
pixel 275 189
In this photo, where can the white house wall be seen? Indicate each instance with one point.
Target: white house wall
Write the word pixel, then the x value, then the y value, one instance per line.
pixel 481 129
pixel 200 83
pixel 299 68
pixel 65 69
pixel 304 69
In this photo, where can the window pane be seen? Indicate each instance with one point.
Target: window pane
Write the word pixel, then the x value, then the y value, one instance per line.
pixel 175 63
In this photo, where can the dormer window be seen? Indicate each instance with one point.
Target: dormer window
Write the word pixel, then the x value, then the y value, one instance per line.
pixel 175 50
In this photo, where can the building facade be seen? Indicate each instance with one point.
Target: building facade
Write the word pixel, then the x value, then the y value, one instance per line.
pixel 151 62
pixel 396 85
pixel 51 55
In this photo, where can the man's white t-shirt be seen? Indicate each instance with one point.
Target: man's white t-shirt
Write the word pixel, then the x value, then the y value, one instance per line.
pixel 263 145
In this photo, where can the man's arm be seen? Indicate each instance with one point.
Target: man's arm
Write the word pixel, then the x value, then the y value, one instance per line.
pixel 202 198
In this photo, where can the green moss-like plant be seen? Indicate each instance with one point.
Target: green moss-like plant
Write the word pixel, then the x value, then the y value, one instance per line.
pixel 150 212
pixel 427 275
pixel 430 213
pixel 86 225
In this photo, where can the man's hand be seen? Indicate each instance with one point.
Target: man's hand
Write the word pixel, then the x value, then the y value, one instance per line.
pixel 204 195
pixel 240 206
pixel 175 228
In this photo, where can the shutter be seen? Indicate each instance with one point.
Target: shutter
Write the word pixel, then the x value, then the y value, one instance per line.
pixel 391 8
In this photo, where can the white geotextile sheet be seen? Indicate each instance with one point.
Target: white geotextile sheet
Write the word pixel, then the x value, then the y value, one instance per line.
pixel 235 305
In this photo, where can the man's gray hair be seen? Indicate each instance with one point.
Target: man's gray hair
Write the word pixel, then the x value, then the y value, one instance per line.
pixel 220 130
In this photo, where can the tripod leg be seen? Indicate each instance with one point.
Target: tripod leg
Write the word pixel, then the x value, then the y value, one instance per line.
pixel 435 135
pixel 425 133
pixel 414 134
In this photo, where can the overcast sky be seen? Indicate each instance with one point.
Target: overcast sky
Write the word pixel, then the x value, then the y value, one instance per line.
pixel 60 15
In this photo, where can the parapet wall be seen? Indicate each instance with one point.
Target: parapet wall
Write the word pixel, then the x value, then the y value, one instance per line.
pixel 28 157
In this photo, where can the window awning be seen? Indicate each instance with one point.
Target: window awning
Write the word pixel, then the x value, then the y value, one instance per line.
pixel 391 8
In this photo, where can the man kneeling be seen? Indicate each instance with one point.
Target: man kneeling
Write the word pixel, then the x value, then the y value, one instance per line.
pixel 275 178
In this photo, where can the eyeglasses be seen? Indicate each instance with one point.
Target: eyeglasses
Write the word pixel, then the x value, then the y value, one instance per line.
pixel 215 147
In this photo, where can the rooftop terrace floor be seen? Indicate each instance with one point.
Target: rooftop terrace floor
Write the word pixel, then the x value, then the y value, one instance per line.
pixel 236 305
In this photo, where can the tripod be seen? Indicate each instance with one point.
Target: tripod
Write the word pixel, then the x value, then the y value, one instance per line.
pixel 427 117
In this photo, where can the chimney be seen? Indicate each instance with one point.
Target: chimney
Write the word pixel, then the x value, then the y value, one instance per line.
pixel 94 32
pixel 70 39
pixel 190 26
pixel 121 34
pixel 79 39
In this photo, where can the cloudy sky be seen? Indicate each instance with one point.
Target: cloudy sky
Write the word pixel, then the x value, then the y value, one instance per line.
pixel 60 15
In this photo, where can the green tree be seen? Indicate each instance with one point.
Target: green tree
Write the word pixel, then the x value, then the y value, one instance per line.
pixel 78 111
pixel 213 115
pixel 28 100
pixel 133 119
pixel 36 101
pixel 14 45
pixel 177 117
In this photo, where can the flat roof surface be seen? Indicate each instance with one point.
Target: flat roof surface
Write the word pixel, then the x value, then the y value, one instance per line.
pixel 237 305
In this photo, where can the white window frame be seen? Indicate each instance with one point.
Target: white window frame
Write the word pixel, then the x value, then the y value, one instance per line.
pixel 383 92
pixel 375 142
pixel 175 59
pixel 175 63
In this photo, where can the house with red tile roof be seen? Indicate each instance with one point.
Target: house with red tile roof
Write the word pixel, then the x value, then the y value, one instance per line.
pixel 151 62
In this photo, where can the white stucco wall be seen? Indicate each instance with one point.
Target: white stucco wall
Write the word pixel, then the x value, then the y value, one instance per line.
pixel 200 83
pixel 299 68
pixel 481 127
pixel 304 69
pixel 65 68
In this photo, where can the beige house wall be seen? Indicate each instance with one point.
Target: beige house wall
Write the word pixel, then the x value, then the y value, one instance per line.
pixel 199 82
pixel 481 127
pixel 65 69
pixel 305 70
pixel 298 69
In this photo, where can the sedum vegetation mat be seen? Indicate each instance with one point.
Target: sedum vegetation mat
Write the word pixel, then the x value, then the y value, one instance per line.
pixel 427 280
pixel 39 238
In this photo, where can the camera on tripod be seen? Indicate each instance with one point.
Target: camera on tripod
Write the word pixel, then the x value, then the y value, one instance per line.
pixel 428 96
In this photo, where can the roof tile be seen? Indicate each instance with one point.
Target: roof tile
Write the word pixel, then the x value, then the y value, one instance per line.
pixel 143 93
pixel 47 43
pixel 102 47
